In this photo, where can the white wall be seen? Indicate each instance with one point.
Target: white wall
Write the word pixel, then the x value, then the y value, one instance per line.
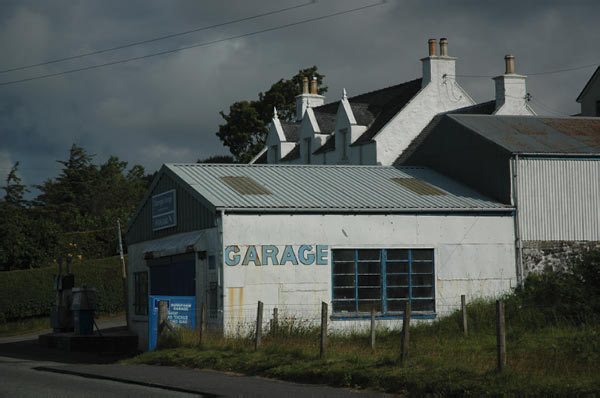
pixel 474 255
pixel 592 94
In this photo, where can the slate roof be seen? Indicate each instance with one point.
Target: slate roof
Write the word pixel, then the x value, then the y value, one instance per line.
pixel 290 130
pixel 535 134
pixel 483 108
pixel 296 188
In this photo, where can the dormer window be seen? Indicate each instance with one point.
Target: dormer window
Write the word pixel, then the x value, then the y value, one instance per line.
pixel 274 155
pixel 344 143
pixel 308 149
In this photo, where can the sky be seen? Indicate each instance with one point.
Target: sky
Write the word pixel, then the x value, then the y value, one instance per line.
pixel 166 108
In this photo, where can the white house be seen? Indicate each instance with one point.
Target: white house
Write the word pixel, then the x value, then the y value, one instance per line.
pixel 376 127
pixel 589 98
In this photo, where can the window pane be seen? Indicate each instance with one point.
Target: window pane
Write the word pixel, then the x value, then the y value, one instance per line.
pixel 422 254
pixel 418 292
pixel 422 280
pixel 369 254
pixel 343 280
pixel 343 268
pixel 369 280
pixel 397 254
pixel 343 255
pixel 397 292
pixel 369 293
pixel 426 267
pixel 369 268
pixel 343 293
pixel 396 267
pixel 397 280
pixel 366 305
pixel 396 305
pixel 344 306
pixel 423 305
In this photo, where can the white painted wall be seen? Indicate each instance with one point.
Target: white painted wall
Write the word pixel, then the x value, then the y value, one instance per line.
pixel 590 97
pixel 511 90
pixel 474 255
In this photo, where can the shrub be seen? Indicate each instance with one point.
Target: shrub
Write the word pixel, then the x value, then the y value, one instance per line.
pixel 30 293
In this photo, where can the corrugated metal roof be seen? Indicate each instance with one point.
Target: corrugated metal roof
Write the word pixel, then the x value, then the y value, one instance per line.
pixel 535 134
pixel 329 188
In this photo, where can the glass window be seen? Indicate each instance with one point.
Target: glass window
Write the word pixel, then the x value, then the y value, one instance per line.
pixel 384 279
pixel 140 302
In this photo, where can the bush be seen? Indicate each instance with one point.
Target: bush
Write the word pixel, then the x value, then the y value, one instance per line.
pixel 30 293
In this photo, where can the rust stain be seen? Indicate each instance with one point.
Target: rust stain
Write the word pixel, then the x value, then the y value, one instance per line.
pixel 527 130
pixel 586 130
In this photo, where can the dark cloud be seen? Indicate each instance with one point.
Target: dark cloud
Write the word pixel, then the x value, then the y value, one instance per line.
pixel 166 108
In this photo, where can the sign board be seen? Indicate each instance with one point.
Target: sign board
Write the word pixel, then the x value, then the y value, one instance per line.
pixel 164 210
pixel 182 311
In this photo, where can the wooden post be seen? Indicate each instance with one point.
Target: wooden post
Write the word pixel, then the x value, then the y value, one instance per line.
pixel 202 326
pixel 405 333
pixel 259 318
pixel 275 326
pixel 373 328
pixel 500 335
pixel 323 329
pixel 463 306
pixel 123 274
pixel 163 316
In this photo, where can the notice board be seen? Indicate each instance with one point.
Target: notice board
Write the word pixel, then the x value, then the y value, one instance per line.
pixel 182 311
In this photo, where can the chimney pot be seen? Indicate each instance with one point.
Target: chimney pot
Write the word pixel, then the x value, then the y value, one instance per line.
pixel 510 64
pixel 432 49
pixel 305 85
pixel 313 85
pixel 443 47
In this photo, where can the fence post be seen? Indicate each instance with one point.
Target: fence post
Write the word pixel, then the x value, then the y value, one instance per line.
pixel 259 318
pixel 463 306
pixel 202 323
pixel 323 329
pixel 373 328
pixel 163 316
pixel 500 335
pixel 275 327
pixel 405 333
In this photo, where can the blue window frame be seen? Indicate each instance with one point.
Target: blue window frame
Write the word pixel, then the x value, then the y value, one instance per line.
pixel 384 279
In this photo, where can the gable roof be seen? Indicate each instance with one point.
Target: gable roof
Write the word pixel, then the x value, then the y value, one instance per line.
pixel 293 154
pixel 329 188
pixel 483 108
pixel 588 84
pixel 290 130
pixel 328 146
pixel 535 134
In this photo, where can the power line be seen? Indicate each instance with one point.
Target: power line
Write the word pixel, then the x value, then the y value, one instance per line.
pixel 335 14
pixel 137 43
pixel 536 73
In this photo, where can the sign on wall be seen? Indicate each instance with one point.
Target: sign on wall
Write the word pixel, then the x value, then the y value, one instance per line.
pixel 182 311
pixel 276 255
pixel 164 210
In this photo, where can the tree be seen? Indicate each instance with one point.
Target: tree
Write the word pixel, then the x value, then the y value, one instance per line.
pixel 217 159
pixel 14 190
pixel 245 128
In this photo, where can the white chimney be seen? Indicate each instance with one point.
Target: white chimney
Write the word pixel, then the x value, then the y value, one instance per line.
pixel 435 67
pixel 308 98
pixel 511 91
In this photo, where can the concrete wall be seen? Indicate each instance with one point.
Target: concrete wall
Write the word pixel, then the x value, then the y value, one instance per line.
pixel 474 255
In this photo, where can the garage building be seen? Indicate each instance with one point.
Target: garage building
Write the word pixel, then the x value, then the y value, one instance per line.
pixel 355 237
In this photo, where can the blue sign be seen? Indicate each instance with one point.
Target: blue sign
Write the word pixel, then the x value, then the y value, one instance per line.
pixel 182 311
pixel 273 255
pixel 164 210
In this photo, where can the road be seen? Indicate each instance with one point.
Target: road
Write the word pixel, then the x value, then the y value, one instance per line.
pixel 29 370
pixel 19 379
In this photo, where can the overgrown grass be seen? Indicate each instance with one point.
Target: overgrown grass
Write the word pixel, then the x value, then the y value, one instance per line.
pixel 552 340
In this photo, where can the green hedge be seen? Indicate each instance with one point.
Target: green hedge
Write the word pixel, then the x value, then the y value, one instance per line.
pixel 30 293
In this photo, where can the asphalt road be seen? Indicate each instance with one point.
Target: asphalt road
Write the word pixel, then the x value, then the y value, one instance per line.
pixel 19 379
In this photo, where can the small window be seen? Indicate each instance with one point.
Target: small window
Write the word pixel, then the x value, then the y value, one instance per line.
pixel 344 143
pixel 140 303
pixel 383 279
pixel 274 154
pixel 308 149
